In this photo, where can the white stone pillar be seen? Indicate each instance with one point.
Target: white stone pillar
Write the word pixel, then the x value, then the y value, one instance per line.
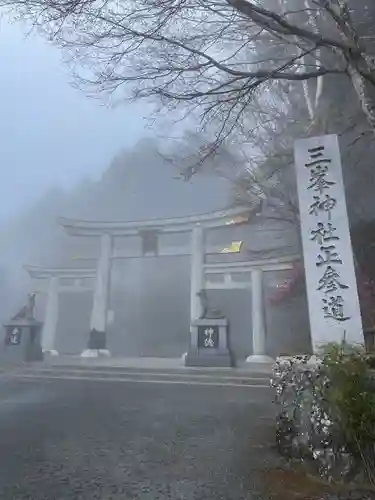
pixel 51 318
pixel 258 323
pixel 196 279
pixel 197 271
pixel 98 323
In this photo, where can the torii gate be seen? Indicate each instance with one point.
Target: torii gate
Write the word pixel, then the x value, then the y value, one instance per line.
pixel 54 276
pixel 201 271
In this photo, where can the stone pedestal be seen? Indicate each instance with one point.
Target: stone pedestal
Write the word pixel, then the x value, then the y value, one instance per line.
pixel 209 344
pixel 23 340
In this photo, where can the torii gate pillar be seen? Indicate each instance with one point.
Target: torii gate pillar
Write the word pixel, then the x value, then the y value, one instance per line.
pixel 51 317
pixel 97 344
pixel 258 313
pixel 197 272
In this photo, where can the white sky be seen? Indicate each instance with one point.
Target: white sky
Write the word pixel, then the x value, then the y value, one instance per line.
pixel 50 133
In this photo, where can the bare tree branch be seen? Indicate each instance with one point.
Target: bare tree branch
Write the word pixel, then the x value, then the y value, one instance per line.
pixel 212 56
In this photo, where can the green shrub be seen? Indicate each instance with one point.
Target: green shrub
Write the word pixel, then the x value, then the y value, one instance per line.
pixel 350 397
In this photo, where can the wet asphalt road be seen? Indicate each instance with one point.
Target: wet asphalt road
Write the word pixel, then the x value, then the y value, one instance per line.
pixel 87 440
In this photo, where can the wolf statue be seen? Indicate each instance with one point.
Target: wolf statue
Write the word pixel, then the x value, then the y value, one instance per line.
pixel 208 313
pixel 27 311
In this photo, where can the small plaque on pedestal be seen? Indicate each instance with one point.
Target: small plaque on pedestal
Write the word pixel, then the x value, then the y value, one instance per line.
pixel 13 335
pixel 22 335
pixel 208 337
pixel 22 340
pixel 209 344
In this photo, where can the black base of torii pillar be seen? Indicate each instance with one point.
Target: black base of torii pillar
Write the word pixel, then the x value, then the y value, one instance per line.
pixel 97 345
pixel 97 340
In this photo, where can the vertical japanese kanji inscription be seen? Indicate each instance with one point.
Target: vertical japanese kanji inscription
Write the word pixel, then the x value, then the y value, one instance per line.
pixel 330 277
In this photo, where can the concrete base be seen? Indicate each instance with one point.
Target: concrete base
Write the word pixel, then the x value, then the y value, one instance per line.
pixel 223 359
pixel 95 353
pixel 259 358
pixel 105 353
pixel 50 352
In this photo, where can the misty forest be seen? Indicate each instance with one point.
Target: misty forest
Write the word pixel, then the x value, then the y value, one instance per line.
pixel 230 85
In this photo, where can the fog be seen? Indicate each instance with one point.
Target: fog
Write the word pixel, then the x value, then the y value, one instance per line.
pixel 52 136
pixel 51 133
pixel 65 154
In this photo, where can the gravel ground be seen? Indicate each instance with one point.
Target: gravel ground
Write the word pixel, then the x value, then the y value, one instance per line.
pixel 105 440
pixel 88 440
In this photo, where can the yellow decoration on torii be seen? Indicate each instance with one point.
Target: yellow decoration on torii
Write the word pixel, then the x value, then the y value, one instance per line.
pixel 235 247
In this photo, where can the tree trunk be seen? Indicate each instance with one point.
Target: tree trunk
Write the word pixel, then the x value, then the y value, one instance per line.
pixel 366 93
